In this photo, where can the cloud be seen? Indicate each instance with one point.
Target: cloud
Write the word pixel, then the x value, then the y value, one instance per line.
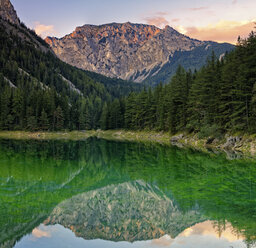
pixel 37 233
pixel 234 1
pixel 207 228
pixel 44 30
pixel 175 20
pixel 158 19
pixel 198 8
pixel 223 31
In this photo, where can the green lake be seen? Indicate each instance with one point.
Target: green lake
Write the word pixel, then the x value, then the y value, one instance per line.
pixel 98 193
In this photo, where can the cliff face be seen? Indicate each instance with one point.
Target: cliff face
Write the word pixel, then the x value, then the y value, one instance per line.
pixel 8 17
pixel 126 212
pixel 128 51
pixel 7 12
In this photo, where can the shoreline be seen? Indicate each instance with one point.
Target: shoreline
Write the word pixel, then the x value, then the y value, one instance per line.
pixel 243 144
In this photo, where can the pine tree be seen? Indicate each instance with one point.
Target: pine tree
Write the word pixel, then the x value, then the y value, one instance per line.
pixel 31 119
pixel 104 117
pixel 5 108
pixel 17 109
pixel 44 122
pixel 178 97
pixel 58 119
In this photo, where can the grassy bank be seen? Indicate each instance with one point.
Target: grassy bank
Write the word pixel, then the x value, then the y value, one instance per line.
pixel 142 136
pixel 245 145
pixel 22 135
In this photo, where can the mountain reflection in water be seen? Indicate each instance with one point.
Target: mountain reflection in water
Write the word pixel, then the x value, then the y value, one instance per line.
pixel 97 193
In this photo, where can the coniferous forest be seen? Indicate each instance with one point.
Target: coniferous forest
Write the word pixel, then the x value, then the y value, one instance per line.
pixel 219 98
pixel 40 92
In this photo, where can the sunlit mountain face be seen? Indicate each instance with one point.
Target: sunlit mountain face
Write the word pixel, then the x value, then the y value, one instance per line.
pixel 98 193
pixel 135 52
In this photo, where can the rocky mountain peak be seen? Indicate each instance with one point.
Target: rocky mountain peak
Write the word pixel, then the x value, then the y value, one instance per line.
pixel 127 33
pixel 7 12
pixel 124 50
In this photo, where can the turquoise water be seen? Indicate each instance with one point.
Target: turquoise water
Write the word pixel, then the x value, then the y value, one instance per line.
pixel 97 193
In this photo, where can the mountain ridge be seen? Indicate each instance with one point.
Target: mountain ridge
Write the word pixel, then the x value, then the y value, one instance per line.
pixel 130 51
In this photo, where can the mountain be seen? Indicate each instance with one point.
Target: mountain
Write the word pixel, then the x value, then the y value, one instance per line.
pixel 190 60
pixel 7 12
pixel 130 211
pixel 130 51
pixel 38 90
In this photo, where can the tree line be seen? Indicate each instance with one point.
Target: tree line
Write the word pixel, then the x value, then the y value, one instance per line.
pixel 218 98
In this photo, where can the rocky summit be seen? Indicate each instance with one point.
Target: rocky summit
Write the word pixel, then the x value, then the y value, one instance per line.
pixel 7 12
pixel 128 51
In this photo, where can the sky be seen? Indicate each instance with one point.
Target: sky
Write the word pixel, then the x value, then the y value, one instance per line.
pixel 217 20
pixel 203 234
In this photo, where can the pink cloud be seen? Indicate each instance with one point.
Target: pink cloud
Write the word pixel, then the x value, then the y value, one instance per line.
pixel 158 21
pixel 37 233
pixel 208 228
pixel 175 20
pixel 223 31
pixel 44 30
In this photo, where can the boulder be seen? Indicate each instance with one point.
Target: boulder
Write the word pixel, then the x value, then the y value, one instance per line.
pixel 231 142
pixel 175 139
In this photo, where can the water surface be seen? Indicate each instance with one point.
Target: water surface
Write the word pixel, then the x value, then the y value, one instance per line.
pixel 97 193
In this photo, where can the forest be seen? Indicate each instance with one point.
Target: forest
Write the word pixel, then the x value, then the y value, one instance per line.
pixel 40 92
pixel 218 98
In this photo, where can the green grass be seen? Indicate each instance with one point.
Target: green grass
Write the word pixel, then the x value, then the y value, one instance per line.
pixel 21 135
pixel 141 136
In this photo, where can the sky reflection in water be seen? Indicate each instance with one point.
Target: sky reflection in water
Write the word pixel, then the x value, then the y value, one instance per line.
pixel 198 236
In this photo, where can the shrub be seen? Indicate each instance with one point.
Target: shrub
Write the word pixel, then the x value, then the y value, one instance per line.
pixel 213 131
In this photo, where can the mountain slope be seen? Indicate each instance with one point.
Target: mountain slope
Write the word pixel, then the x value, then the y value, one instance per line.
pixel 7 12
pixel 38 91
pixel 190 60
pixel 129 51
